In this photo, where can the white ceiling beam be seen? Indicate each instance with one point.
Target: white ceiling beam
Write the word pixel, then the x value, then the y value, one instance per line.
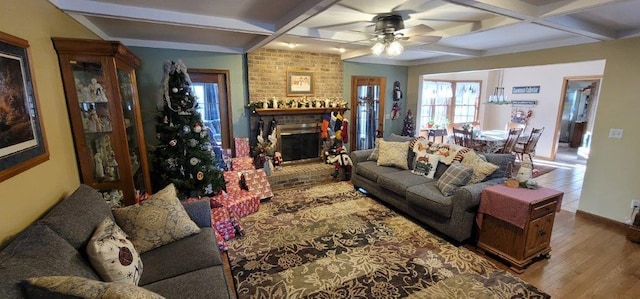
pixel 356 53
pixel 92 27
pixel 508 8
pixel 179 46
pixel 304 11
pixel 152 15
pixel 579 27
pixel 449 50
pixel 566 7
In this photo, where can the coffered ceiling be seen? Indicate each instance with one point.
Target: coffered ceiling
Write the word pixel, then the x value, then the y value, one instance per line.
pixel 437 30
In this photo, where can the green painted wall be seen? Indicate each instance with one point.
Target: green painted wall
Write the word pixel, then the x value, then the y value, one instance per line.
pixel 392 73
pixel 150 72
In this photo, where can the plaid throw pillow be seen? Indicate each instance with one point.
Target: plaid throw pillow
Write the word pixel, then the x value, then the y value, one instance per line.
pixel 457 175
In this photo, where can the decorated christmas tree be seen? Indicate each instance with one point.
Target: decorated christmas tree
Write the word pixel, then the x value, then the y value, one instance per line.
pixel 408 129
pixel 184 155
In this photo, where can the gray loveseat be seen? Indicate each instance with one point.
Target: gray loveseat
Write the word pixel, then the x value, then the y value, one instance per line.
pixel 55 245
pixel 418 196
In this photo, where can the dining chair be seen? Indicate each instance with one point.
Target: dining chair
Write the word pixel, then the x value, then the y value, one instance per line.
pixel 529 147
pixel 512 139
pixel 463 137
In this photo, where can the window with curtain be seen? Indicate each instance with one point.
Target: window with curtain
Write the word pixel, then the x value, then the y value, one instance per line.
pixel 449 102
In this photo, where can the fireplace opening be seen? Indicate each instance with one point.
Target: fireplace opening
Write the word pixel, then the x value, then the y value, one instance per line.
pixel 299 142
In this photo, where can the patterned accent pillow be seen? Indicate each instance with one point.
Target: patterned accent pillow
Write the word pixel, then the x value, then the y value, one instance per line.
pixel 80 287
pixel 112 255
pixel 393 154
pixel 376 150
pixel 460 154
pixel 156 221
pixel 457 175
pixel 426 165
pixel 481 168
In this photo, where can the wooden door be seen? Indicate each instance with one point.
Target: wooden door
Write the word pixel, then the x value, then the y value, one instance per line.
pixel 367 111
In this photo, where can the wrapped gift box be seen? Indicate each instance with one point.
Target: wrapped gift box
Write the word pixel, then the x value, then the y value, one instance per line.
pixel 232 181
pixel 242 164
pixel 222 223
pixel 257 183
pixel 242 146
pixel 241 202
pixel 222 245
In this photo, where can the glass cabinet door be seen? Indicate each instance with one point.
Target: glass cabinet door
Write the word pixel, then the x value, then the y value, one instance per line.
pixel 96 116
pixel 126 82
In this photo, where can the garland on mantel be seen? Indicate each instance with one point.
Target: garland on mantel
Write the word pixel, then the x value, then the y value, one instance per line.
pixel 304 102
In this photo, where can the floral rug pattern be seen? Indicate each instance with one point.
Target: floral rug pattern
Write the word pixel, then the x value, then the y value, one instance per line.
pixel 331 241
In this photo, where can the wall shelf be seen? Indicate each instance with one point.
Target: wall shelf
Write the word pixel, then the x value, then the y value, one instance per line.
pixel 290 111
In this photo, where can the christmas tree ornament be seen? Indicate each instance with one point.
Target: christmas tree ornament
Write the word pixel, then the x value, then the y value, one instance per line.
pixel 186 129
pixel 173 142
pixel 174 90
pixel 203 134
pixel 193 142
pixel 200 176
pixel 165 120
pixel 194 161
pixel 197 128
pixel 158 136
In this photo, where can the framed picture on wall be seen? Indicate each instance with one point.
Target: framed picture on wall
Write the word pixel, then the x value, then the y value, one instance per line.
pixel 300 83
pixel 22 141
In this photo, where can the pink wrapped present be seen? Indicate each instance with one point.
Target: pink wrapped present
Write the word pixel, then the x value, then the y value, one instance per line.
pixel 232 181
pixel 222 245
pixel 222 223
pixel 242 146
pixel 257 183
pixel 242 202
pixel 242 164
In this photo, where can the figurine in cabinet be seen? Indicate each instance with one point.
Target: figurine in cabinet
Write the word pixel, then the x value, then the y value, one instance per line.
pixel 99 166
pixel 97 92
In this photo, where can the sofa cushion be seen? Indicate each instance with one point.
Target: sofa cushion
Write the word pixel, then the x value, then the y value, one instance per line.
pixel 38 251
pixel 457 175
pixel 393 154
pixel 428 197
pixel 86 208
pixel 370 170
pixel 156 221
pixel 481 168
pixel 502 160
pixel 204 283
pixel 426 165
pixel 113 256
pixel 80 287
pixel 195 252
pixel 398 182
pixel 375 152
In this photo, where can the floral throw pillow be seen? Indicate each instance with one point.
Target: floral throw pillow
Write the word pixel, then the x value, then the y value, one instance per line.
pixel 80 287
pixel 481 168
pixel 112 255
pixel 393 154
pixel 156 221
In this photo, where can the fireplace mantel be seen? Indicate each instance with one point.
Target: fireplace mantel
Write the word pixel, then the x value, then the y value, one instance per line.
pixel 295 111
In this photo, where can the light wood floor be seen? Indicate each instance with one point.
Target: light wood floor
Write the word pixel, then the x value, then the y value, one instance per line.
pixel 590 258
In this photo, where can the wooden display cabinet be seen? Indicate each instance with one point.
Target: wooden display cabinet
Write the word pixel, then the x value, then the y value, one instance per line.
pixel 102 100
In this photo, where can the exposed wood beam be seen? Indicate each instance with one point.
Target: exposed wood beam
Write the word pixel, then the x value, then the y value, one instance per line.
pixel 295 17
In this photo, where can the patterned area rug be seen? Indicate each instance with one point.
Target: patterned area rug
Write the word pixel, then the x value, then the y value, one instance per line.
pixel 331 241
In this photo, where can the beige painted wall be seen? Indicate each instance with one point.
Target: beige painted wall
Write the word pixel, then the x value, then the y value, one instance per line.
pixel 28 195
pixel 610 180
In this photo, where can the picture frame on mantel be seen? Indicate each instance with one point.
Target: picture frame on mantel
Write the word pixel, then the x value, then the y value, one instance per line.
pixel 300 83
pixel 22 139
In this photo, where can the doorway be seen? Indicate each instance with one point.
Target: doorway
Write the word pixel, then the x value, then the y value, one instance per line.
pixel 577 112
pixel 212 95
pixel 367 113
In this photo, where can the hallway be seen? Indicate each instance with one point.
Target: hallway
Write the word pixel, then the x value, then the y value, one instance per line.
pixel 567 177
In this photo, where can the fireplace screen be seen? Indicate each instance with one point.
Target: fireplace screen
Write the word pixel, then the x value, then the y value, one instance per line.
pixel 299 142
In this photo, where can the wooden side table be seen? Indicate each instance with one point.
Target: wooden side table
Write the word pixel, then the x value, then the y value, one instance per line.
pixel 516 223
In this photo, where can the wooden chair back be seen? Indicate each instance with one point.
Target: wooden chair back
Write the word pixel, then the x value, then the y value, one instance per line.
pixel 530 146
pixel 463 137
pixel 511 141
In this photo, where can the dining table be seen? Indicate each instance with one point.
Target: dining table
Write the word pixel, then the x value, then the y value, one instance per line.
pixel 492 141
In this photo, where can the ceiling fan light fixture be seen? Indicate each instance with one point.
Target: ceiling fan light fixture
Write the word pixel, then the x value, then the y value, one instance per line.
pixel 378 48
pixel 394 49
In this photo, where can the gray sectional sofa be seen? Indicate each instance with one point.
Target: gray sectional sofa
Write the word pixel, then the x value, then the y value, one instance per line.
pixel 55 246
pixel 418 196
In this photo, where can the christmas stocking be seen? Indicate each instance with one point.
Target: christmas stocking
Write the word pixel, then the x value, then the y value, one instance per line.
pixel 332 125
pixel 324 134
pixel 345 130
pixel 338 126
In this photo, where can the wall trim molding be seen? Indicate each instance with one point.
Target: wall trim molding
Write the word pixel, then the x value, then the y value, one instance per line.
pixel 602 220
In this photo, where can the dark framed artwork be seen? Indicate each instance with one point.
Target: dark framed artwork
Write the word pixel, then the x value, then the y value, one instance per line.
pixel 22 140
pixel 300 83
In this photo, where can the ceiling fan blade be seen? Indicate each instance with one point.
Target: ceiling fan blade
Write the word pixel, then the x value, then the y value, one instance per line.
pixel 429 39
pixel 420 29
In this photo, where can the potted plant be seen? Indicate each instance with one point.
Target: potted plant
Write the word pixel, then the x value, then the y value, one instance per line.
pixel 431 123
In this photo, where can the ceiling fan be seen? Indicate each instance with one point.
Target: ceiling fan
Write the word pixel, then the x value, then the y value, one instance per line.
pixel 390 30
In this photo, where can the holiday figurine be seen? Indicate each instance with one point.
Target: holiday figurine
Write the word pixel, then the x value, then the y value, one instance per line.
pixel 340 160
pixel 277 160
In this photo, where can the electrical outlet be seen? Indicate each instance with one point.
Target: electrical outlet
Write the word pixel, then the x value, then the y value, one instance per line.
pixel 635 203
